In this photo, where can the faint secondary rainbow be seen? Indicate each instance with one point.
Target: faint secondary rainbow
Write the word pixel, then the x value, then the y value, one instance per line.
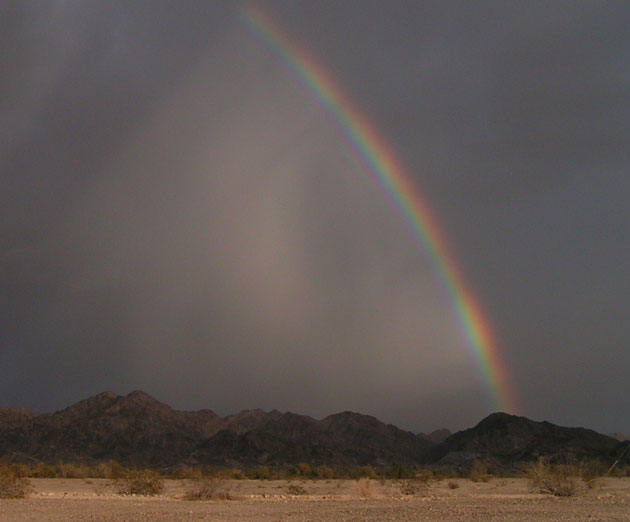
pixel 375 153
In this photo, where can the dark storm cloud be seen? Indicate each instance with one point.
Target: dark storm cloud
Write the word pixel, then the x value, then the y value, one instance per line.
pixel 177 215
pixel 76 80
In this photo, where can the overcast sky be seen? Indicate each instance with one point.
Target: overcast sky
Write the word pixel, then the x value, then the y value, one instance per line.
pixel 178 215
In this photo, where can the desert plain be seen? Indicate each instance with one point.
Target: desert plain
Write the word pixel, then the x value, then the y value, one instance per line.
pixel 499 499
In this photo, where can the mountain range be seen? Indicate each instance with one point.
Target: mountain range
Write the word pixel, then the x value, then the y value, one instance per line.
pixel 138 430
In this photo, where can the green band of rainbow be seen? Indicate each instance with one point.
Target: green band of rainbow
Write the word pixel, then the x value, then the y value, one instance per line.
pixel 377 155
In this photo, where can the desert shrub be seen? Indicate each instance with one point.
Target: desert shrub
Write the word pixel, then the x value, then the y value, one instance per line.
pixel 592 471
pixel 367 472
pixel 111 470
pixel 364 487
pixel 413 486
pixel 234 473
pixel 208 488
pixel 101 470
pixel 186 473
pixel 42 470
pixel 304 469
pixel 259 473
pixel 445 472
pixel 294 489
pixel 324 472
pixel 425 476
pixel 12 484
pixel 99 488
pixel 19 470
pixel 479 472
pixel 355 472
pixel 344 472
pixel 398 471
pixel 67 470
pixel 560 480
pixel 621 471
pixel 140 482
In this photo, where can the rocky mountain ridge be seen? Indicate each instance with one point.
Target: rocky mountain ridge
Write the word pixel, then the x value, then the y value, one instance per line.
pixel 137 430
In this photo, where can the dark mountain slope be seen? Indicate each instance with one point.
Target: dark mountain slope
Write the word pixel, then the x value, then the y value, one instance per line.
pixel 508 439
pixel 138 430
pixel 135 429
pixel 344 439
pixel 437 436
pixel 361 436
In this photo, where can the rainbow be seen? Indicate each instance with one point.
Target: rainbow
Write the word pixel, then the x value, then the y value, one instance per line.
pixel 375 153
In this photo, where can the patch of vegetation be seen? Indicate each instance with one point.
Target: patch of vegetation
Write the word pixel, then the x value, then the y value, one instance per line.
pixel 294 489
pixel 621 471
pixel 398 471
pixel 412 487
pixel 560 480
pixel 592 472
pixel 42 470
pixel 140 482
pixel 304 469
pixel 12 484
pixel 234 473
pixel 425 476
pixel 364 487
pixel 324 472
pixel 259 473
pixel 110 470
pixel 479 472
pixel 68 470
pixel 452 484
pixel 208 488
pixel 186 474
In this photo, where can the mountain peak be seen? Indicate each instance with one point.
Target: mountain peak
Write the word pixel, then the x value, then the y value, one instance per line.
pixel 497 419
pixel 139 395
pixel 507 439
pixel 106 395
pixel 437 436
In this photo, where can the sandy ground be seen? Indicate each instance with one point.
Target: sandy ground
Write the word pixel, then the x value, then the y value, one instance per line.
pixel 338 500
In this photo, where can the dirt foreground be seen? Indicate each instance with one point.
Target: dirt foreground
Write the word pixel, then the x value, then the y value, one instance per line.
pixel 338 500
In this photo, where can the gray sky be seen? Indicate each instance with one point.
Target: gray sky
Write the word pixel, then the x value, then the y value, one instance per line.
pixel 178 215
